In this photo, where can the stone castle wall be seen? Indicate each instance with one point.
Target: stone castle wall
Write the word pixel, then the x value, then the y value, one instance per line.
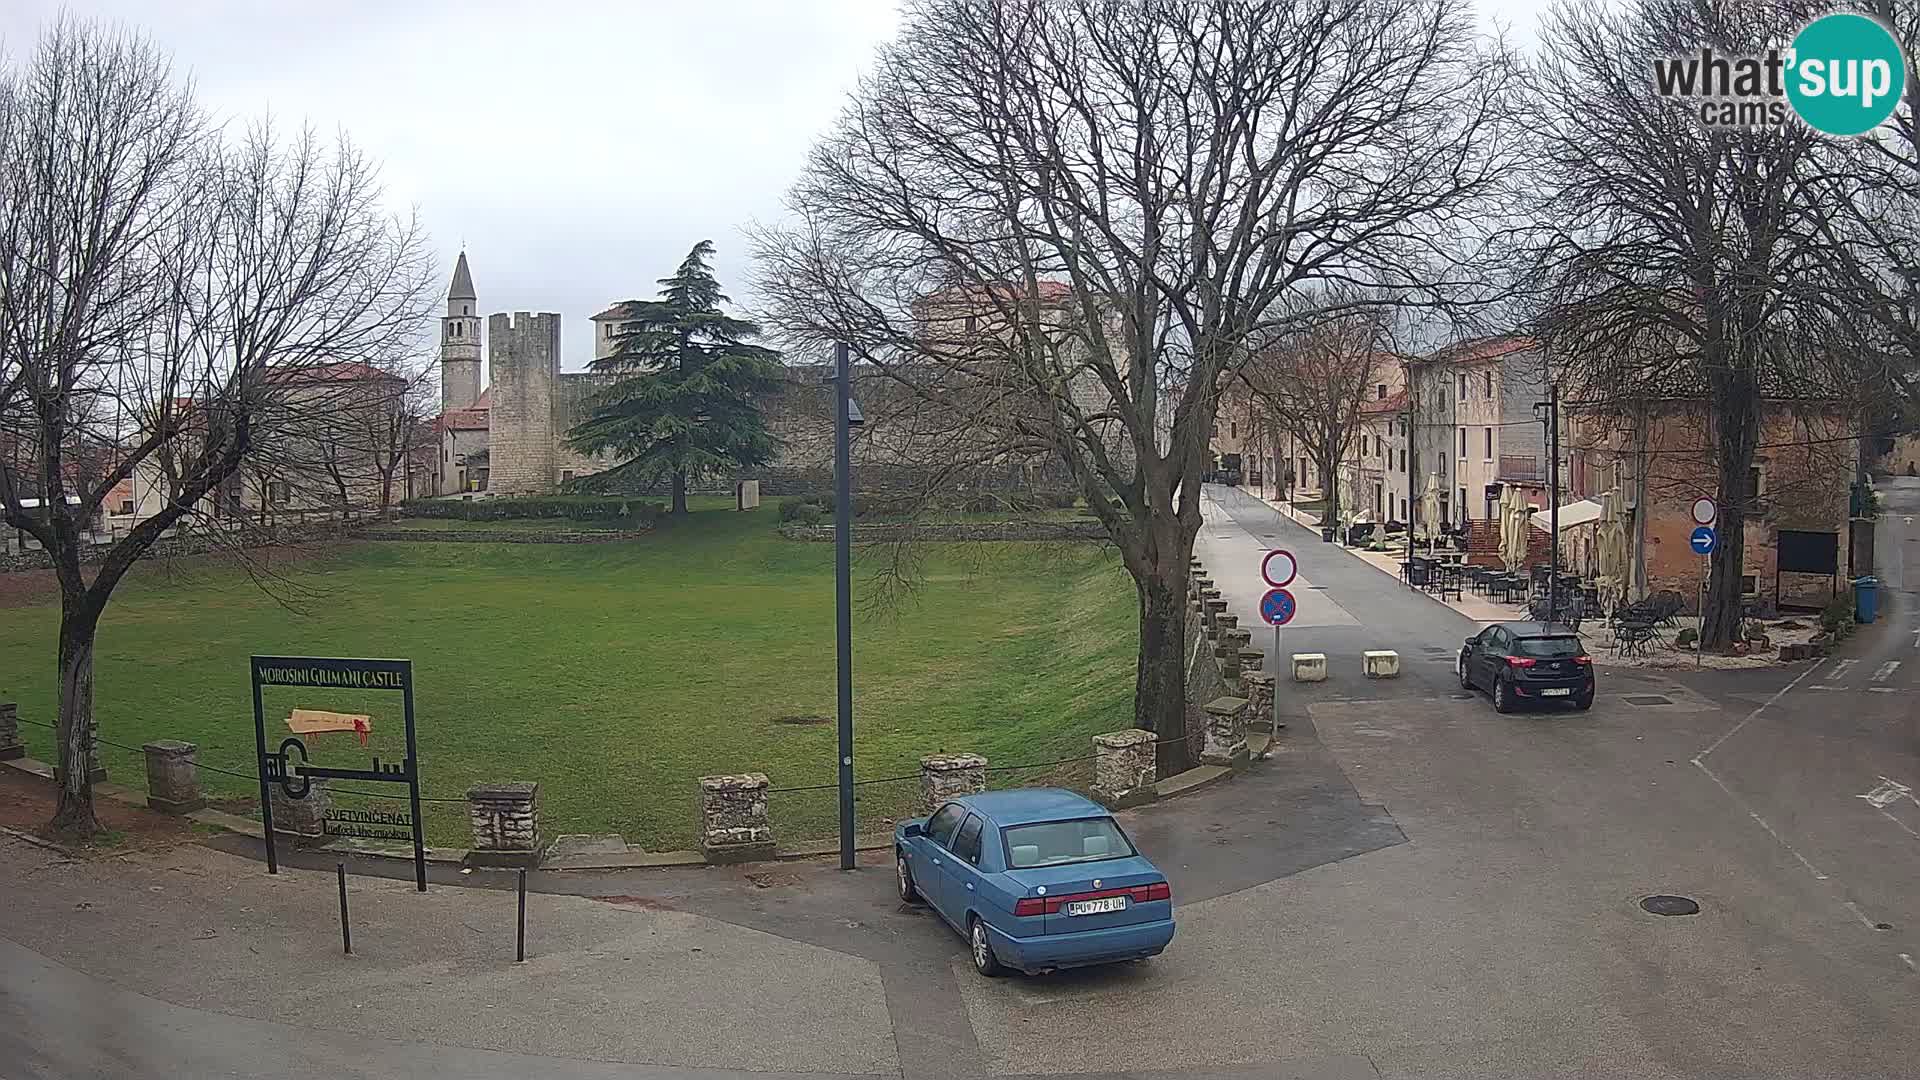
pixel 523 443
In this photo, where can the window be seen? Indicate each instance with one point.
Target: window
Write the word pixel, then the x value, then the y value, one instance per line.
pixel 972 325
pixel 1403 510
pixel 566 475
pixel 126 506
pixel 1463 386
pixel 1558 648
pixel 1463 442
pixel 609 336
pixel 1055 842
pixel 1756 482
pixel 1463 504
pixel 1489 454
pixel 966 843
pixel 1380 391
pixel 1233 428
pixel 1489 378
pixel 941 825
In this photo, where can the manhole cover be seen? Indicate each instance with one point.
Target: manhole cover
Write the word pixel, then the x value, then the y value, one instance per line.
pixel 1647 699
pixel 1670 905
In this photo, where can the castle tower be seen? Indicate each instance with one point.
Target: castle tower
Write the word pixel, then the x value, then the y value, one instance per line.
pixel 460 343
pixel 522 455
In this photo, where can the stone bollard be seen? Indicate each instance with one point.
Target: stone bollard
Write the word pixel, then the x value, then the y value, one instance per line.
pixel 303 817
pixel 1227 655
pixel 947 776
pixel 1380 663
pixel 10 745
pixel 1251 663
pixel 1226 733
pixel 1124 767
pixel 506 824
pixel 733 818
pixel 1258 690
pixel 1227 620
pixel 173 776
pixel 1309 667
pixel 1213 607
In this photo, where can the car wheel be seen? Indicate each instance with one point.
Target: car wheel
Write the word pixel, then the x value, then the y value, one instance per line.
pixel 1584 701
pixel 1502 697
pixel 1466 680
pixel 908 893
pixel 981 949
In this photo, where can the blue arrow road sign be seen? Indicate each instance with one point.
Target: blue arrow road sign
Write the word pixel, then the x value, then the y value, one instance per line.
pixel 1277 607
pixel 1702 540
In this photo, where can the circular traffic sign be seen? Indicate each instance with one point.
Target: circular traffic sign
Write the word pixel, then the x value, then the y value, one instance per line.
pixel 1279 568
pixel 1277 607
pixel 1704 511
pixel 1703 539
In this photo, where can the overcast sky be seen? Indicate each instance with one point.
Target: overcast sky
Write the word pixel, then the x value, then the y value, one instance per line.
pixel 576 148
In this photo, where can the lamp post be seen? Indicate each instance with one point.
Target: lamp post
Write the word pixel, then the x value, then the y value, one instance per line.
pixel 845 415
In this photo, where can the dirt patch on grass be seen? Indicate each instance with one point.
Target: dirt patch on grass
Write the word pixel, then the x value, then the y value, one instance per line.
pixel 27 801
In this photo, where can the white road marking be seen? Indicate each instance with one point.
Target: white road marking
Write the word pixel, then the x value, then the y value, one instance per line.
pixel 1823 686
pixel 1916 639
pixel 1908 960
pixel 1858 914
pixel 1903 825
pixel 1885 671
pixel 1883 689
pixel 1886 793
pixel 1839 669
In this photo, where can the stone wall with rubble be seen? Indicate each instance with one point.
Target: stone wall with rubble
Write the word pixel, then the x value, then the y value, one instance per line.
pixel 957 530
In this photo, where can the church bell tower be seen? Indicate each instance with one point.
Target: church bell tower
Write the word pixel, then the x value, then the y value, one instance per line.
pixel 460 343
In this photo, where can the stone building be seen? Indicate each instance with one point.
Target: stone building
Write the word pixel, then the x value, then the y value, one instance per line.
pixel 508 437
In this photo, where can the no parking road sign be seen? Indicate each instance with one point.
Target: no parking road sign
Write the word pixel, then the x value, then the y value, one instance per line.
pixel 1277 607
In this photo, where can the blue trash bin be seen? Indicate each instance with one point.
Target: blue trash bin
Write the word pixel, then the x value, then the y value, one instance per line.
pixel 1866 599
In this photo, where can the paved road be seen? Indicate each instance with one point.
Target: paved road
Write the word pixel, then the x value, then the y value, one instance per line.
pixel 1413 887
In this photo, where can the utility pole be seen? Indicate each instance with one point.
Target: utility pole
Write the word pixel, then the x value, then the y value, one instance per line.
pixel 843 587
pixel 1412 461
pixel 1553 499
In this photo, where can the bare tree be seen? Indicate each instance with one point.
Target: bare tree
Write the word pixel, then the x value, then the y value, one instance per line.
pixel 1676 261
pixel 162 297
pixel 1313 381
pixel 1065 220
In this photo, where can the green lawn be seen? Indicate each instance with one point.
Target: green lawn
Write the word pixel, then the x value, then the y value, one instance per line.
pixel 615 674
pixel 506 525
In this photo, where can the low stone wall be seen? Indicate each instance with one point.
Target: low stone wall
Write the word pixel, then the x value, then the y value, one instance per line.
pixel 499 536
pixel 188 543
pixel 886 533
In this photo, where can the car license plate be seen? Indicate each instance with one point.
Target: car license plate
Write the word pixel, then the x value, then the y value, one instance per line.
pixel 1557 691
pixel 1095 907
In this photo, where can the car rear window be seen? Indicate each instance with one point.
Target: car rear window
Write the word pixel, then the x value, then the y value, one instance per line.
pixel 1055 842
pixel 1550 647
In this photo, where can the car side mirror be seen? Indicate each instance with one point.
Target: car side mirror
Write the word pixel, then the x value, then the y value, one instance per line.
pixel 913 829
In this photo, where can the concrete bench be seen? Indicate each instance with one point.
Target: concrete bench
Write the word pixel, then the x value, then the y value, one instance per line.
pixel 1380 663
pixel 1309 667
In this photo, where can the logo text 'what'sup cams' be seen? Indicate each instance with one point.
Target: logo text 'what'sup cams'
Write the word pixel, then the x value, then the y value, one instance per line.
pixel 1843 75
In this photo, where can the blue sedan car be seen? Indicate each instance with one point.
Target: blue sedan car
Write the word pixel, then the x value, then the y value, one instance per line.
pixel 1035 879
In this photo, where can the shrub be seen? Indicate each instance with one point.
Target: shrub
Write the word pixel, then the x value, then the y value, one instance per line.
pixel 609 510
pixel 809 513
pixel 1060 500
pixel 1835 615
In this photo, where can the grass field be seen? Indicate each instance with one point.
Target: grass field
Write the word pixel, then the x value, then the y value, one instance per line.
pixel 615 674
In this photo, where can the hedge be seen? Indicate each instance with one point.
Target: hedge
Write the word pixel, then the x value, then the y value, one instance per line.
pixel 624 512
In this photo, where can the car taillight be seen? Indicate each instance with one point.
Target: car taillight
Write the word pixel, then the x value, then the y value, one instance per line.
pixel 1583 659
pixel 1521 661
pixel 1157 891
pixel 1032 905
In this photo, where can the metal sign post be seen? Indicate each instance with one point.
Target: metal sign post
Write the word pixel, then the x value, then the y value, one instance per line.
pixel 1703 540
pixel 1277 607
pixel 295 777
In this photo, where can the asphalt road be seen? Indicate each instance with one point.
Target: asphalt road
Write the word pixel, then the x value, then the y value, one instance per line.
pixel 1414 886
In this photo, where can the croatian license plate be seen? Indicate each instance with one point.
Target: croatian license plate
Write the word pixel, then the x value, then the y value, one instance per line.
pixel 1557 691
pixel 1095 907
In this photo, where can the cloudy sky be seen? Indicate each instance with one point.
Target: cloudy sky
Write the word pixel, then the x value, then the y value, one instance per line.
pixel 576 148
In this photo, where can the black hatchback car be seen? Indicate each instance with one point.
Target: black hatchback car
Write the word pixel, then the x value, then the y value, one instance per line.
pixel 1520 662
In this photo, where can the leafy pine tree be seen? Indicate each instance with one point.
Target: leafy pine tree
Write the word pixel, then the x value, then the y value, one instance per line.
pixel 681 405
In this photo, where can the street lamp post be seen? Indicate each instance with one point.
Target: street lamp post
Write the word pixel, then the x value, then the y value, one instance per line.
pixel 843 586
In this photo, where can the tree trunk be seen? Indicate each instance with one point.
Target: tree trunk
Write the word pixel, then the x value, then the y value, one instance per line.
pixel 679 494
pixel 1737 422
pixel 1160 675
pixel 73 819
